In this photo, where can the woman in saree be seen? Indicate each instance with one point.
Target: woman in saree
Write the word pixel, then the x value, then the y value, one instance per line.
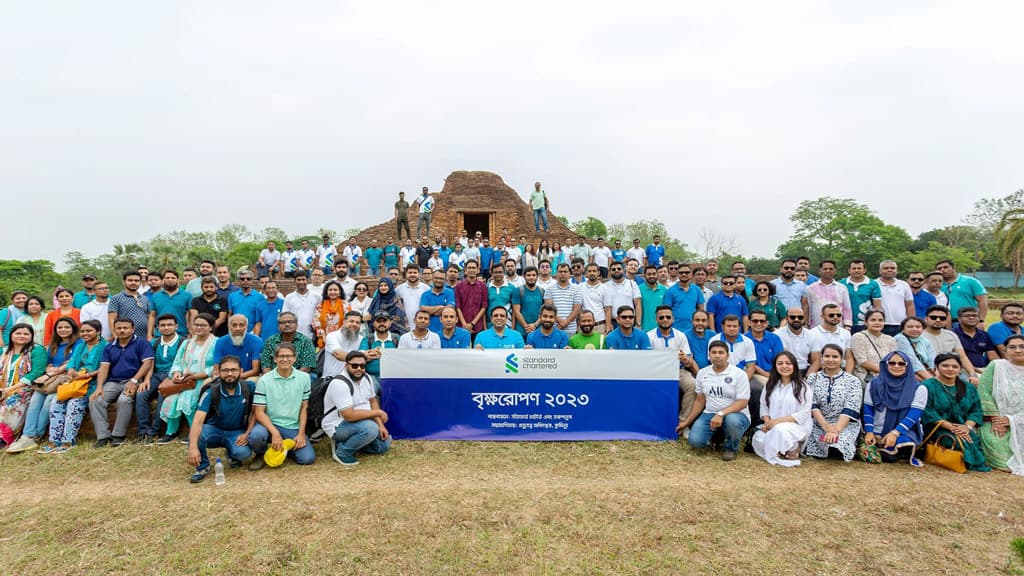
pixel 193 364
pixel 954 406
pixel 388 302
pixel 893 404
pixel 836 408
pixel 1002 402
pixel 22 361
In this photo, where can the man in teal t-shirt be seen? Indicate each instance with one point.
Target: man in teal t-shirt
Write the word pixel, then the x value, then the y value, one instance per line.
pixel 962 291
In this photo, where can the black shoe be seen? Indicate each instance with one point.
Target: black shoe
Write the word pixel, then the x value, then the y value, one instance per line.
pixel 167 439
pixel 728 455
pixel 102 443
pixel 235 464
pixel 115 442
pixel 199 475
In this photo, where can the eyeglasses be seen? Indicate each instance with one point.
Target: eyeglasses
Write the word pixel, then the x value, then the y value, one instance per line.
pixel 665 317
pixel 936 317
pixel 684 272
pixel 896 363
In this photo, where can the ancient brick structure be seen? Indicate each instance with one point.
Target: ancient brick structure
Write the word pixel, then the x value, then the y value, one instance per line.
pixel 476 201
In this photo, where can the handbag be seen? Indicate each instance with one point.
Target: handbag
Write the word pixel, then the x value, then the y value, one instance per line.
pixel 48 383
pixel 868 453
pixel 169 387
pixel 937 454
pixel 73 389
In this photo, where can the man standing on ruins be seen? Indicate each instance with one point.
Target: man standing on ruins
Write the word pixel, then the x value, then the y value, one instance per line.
pixel 402 216
pixel 539 203
pixel 426 208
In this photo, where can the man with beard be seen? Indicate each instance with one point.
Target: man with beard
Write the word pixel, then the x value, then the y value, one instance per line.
pixel 353 418
pixel 684 298
pixel 304 351
pixel 165 349
pixel 547 337
pixel 499 336
pixel 451 335
pixel 500 292
pixel 621 291
pixel 241 344
pixel 471 299
pixel 434 300
pixel 411 292
pixel 374 344
pixel 977 343
pixel 827 291
pixel 224 285
pixel 830 331
pixel 511 276
pixel 712 282
pixel 213 304
pixel 795 338
pixel 699 337
pixel 792 293
pixel 245 300
pixel 170 300
pixel 865 295
pixel 961 290
pixel 527 309
pixel 587 338
pixel 420 337
pixel 223 419
pixel 665 337
pixel 195 286
pixel 625 337
pixel 652 295
pixel 423 252
pixel 728 303
pixel 339 343
pixel 946 341
pixel 341 276
pixel 594 298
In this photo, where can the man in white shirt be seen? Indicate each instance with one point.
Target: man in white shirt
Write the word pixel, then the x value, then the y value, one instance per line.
pixel 946 341
pixel 545 280
pixel 352 253
pixel 325 254
pixel 601 255
pixel 510 274
pixel 742 353
pixel 411 292
pixel 339 343
pixel 302 302
pixel 352 418
pixel 620 291
pixel 306 259
pixel 665 337
pixel 897 297
pixel 795 338
pixel 830 331
pixel 933 285
pixel 636 252
pixel 420 337
pixel 723 392
pixel 594 298
pixel 407 255
pixel 270 260
pixel 97 309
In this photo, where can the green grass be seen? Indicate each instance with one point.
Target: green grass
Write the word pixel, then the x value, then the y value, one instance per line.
pixel 508 508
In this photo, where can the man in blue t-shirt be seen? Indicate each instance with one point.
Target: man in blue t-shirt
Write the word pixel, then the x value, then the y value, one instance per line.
pixel 373 256
pixel 654 252
pixel 1011 316
pixel 727 303
pixel 434 300
pixel 242 344
pixel 684 298
pixel 499 336
pixel 698 336
pixel 245 300
pixel 626 337
pixel 618 254
pixel 223 419
pixel 486 257
pixel 451 335
pixel 546 336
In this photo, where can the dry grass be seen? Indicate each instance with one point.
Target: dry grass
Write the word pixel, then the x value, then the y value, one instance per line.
pixel 483 508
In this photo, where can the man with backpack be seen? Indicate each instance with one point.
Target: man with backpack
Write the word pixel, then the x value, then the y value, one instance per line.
pixel 223 419
pixel 352 415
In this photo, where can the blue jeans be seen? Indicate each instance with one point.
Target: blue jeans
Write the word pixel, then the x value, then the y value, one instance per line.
pixel 213 437
pixel 37 416
pixel 149 421
pixel 259 439
pixel 360 436
pixel 540 215
pixel 733 425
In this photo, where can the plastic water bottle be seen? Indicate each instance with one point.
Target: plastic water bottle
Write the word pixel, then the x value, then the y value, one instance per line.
pixel 218 473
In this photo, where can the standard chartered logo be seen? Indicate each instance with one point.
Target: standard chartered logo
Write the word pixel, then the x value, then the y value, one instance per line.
pixel 511 364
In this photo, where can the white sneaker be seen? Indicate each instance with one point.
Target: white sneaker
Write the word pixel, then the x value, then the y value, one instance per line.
pixel 22 444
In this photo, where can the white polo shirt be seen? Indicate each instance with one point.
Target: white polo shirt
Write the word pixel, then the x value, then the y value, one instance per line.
pixel 894 300
pixel 741 352
pixel 720 389
pixel 798 344
pixel 338 398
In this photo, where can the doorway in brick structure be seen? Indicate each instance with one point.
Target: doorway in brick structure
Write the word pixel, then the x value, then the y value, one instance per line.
pixel 475 222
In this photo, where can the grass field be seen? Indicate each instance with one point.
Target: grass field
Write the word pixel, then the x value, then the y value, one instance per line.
pixel 503 508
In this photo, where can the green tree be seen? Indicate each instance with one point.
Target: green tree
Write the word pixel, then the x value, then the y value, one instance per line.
pixel 591 228
pixel 36 277
pixel 842 229
pixel 1010 240
pixel 646 230
pixel 924 260
pixel 988 212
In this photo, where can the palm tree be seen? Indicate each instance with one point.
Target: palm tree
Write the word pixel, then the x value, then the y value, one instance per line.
pixel 1010 240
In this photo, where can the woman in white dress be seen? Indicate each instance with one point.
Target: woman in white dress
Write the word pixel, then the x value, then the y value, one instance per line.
pixel 836 409
pixel 785 414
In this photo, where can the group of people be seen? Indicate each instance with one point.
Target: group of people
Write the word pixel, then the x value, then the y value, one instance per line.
pixel 811 363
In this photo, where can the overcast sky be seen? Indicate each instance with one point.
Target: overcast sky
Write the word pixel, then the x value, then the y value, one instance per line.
pixel 121 120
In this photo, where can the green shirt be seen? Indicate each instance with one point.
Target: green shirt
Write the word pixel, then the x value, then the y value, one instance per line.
pixel 537 199
pixel 402 210
pixel 963 292
pixel 650 299
pixel 305 352
pixel 282 396
pixel 593 342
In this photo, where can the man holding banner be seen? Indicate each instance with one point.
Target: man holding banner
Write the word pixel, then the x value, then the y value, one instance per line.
pixel 548 336
pixel 723 391
pixel 499 335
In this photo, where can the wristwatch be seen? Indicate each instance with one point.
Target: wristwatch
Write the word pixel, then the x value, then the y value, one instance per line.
pixel 133 381
pixel 720 413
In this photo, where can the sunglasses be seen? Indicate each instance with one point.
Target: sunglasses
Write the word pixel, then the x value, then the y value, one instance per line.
pixel 630 317
pixel 665 317
pixel 934 317
pixel 728 283
pixel 758 321
pixel 789 267
pixel 795 317
pixel 833 315
pixel 357 366
pixel 896 363
pixel 915 279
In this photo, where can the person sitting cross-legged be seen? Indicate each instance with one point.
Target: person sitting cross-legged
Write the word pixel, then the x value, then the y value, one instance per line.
pixel 280 404
pixel 723 392
pixel 223 419
pixel 352 415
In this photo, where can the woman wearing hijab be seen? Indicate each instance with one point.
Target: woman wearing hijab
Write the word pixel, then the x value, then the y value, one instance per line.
pixel 954 407
pixel 387 301
pixel 893 404
pixel 1002 402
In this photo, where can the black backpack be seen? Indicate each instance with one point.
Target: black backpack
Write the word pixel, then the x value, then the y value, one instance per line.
pixel 213 387
pixel 315 409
